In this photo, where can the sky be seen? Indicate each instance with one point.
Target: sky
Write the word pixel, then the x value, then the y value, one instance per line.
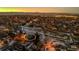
pixel 41 9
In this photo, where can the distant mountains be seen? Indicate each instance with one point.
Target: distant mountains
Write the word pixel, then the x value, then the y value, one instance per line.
pixel 36 13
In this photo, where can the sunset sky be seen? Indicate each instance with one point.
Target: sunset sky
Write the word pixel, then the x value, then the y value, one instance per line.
pixel 42 9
